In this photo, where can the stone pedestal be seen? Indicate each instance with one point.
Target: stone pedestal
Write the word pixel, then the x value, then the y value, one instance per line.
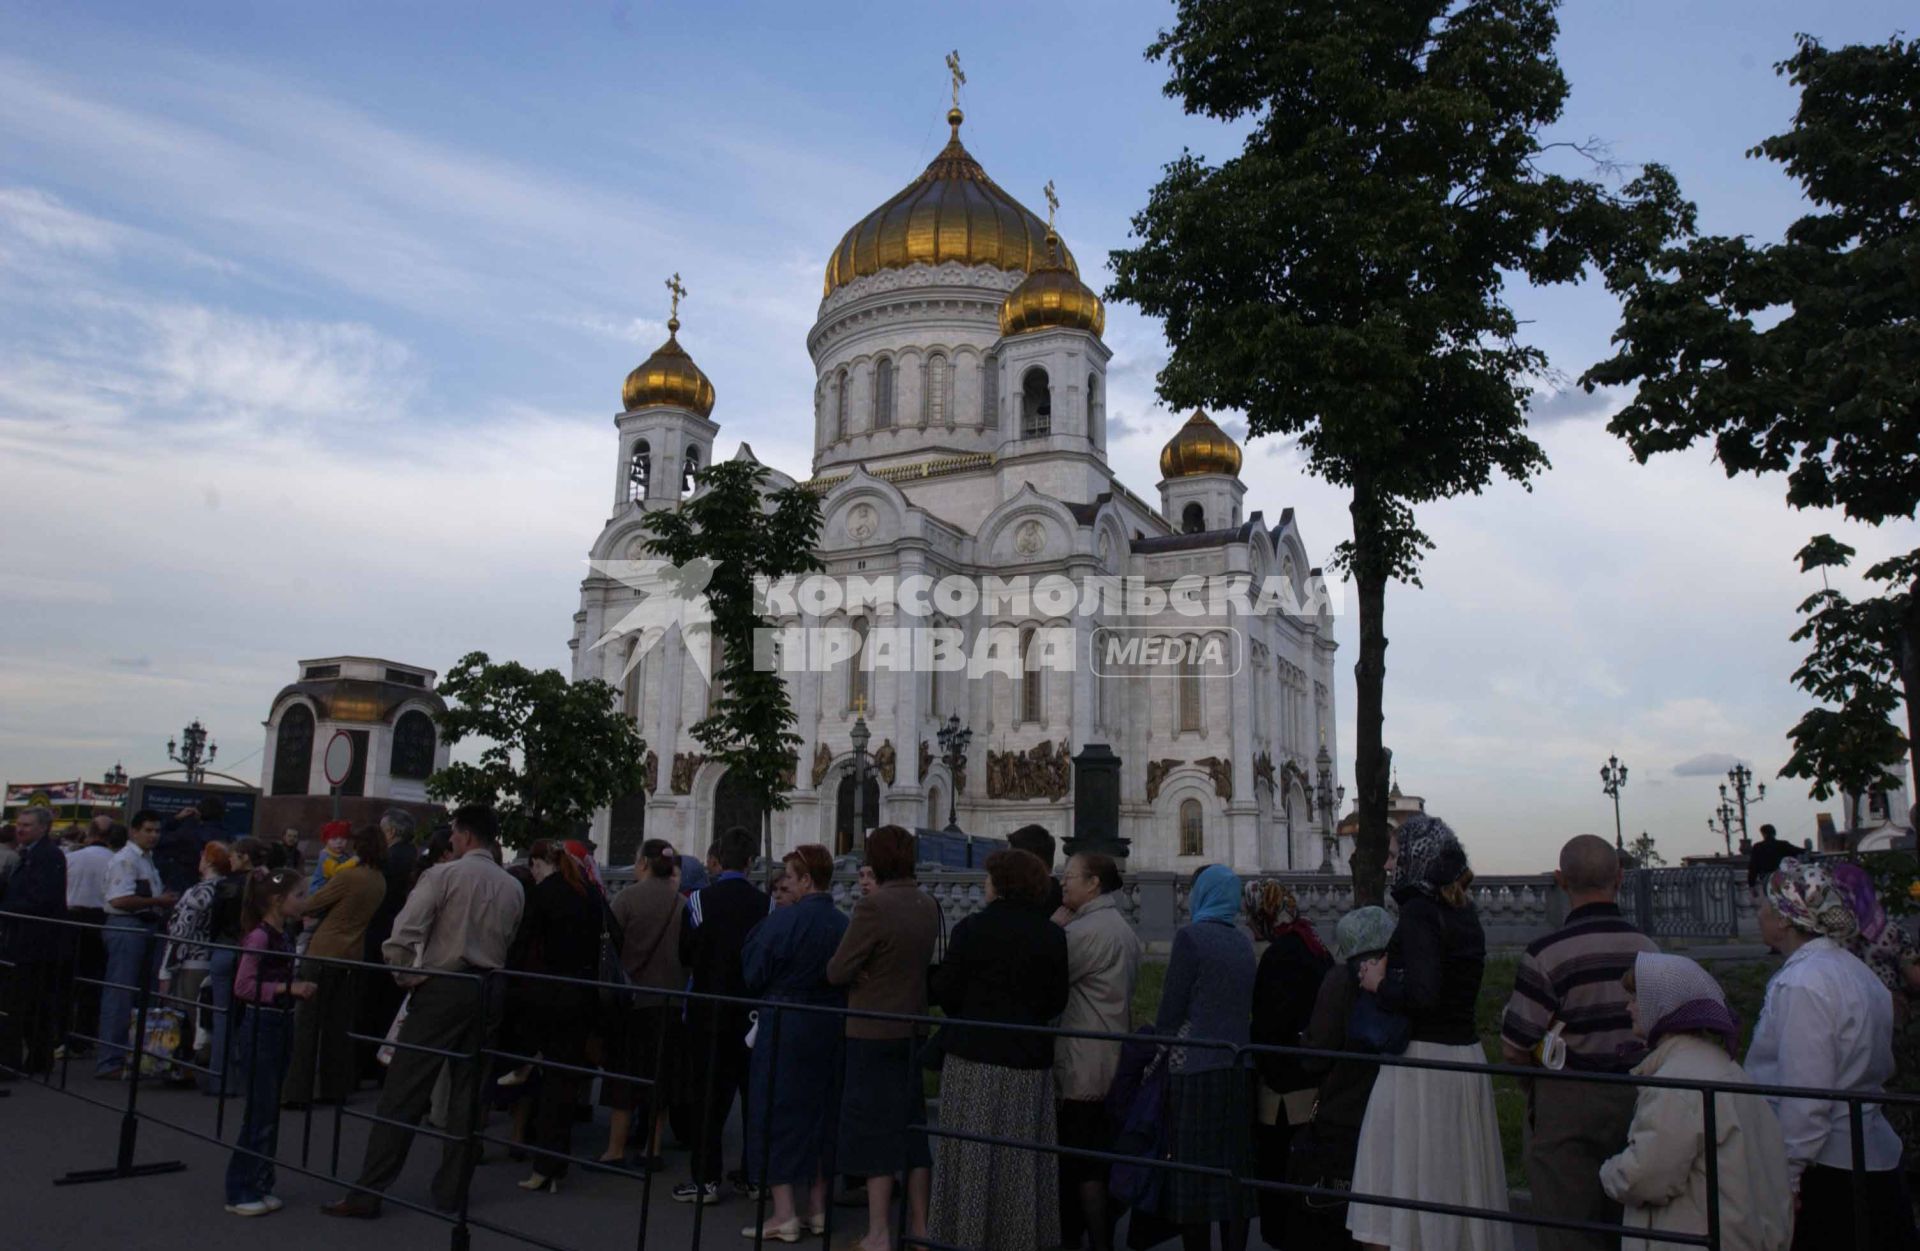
pixel 1096 803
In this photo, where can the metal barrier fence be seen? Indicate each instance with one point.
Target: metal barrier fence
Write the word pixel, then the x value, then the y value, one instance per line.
pixel 467 1065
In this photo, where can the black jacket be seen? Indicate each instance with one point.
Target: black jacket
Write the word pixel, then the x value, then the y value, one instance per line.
pixel 713 930
pixel 1283 995
pixel 402 858
pixel 37 889
pixel 1434 966
pixel 1007 962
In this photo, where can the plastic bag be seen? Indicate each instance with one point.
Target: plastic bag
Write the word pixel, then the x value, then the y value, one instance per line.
pixel 166 1031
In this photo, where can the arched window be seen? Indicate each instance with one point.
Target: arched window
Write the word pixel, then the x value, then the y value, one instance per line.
pixel 293 751
pixel 1036 405
pixel 639 469
pixel 1189 684
pixel 859 677
pixel 688 470
pixel 883 394
pixel 1096 426
pixel 840 405
pixel 1193 518
pixel 413 746
pixel 1030 692
pixel 936 811
pixel 989 390
pixel 1193 830
pixel 938 408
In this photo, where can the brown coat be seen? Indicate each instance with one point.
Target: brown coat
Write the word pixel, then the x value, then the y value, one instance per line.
pixel 883 959
pixel 649 915
pixel 349 899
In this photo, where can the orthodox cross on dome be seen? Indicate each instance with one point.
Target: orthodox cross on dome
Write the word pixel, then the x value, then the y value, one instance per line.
pixel 677 290
pixel 959 75
pixel 1053 205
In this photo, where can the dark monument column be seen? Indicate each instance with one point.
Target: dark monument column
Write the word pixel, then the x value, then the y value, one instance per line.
pixel 1096 803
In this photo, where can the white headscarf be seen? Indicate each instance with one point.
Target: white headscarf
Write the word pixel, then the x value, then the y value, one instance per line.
pixel 1675 994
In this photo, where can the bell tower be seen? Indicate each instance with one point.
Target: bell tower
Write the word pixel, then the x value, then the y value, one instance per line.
pixel 666 431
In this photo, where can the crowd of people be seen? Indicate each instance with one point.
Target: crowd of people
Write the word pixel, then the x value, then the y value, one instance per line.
pixel 1045 1077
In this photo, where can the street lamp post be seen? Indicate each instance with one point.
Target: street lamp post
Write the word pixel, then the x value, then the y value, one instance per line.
pixel 192 751
pixel 1723 826
pixel 861 737
pixel 115 776
pixel 1327 797
pixel 1613 776
pixel 1742 778
pixel 954 738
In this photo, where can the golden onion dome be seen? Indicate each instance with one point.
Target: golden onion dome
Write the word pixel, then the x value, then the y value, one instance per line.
pixel 952 212
pixel 1052 297
pixel 1200 447
pixel 669 377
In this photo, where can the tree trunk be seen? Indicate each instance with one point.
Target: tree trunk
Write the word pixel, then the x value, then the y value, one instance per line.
pixel 1910 687
pixel 1370 763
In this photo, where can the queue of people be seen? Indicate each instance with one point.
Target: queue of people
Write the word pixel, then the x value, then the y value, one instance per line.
pixel 641 990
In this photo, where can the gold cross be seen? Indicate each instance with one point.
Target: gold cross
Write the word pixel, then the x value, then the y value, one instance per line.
pixel 1053 204
pixel 860 705
pixel 673 285
pixel 959 75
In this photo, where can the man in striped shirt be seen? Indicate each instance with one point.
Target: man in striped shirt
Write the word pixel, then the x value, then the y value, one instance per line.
pixel 1571 977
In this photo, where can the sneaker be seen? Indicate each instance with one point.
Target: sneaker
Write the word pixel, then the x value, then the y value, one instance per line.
pixel 273 1202
pixel 695 1192
pixel 255 1208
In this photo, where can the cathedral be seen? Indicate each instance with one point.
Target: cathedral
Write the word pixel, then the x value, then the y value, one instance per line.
pixel 960 429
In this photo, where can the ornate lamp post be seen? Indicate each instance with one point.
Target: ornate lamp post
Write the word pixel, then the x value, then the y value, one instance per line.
pixel 1721 822
pixel 861 736
pixel 954 739
pixel 1327 797
pixel 115 776
pixel 1613 776
pixel 1742 778
pixel 192 751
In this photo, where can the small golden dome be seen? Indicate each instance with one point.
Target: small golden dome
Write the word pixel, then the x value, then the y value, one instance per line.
pixel 1200 447
pixel 669 377
pixel 1052 297
pixel 952 212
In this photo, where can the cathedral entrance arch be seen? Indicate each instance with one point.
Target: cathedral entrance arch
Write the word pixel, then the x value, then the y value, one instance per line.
pixel 844 841
pixel 732 806
pixel 626 828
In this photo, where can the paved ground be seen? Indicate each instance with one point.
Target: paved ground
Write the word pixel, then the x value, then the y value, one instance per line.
pixel 44 1134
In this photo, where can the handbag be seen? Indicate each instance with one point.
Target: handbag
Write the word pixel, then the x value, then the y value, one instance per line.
pixel 1373 1027
pixel 613 972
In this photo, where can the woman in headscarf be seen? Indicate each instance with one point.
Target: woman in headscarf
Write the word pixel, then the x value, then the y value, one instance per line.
pixel 1208 994
pixel 1291 970
pixel 1323 1149
pixel 1883 946
pixel 1431 1133
pixel 1660 1179
pixel 1827 1022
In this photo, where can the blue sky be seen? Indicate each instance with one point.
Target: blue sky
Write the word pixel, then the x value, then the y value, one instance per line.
pixel 312 323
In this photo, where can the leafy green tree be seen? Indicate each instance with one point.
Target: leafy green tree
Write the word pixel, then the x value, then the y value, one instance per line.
pixel 1644 853
pixel 1803 358
pixel 1341 280
pixel 748 533
pixel 556 751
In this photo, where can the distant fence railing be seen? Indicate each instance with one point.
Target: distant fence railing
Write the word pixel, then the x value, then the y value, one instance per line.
pixel 1698 901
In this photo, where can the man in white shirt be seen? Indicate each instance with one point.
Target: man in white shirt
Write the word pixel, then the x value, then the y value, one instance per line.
pixel 87 903
pixel 135 903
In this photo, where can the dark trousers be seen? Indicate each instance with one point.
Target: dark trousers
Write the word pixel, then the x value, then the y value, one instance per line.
pixel 562 1028
pixel 31 1026
pixel 1825 1221
pixel 323 1063
pixel 720 1069
pixel 89 966
pixel 447 1014
pixel 1572 1128
pixel 261 1054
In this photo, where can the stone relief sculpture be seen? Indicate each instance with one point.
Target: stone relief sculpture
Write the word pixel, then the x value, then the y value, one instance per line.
pixel 650 772
pixel 1043 771
pixel 822 763
pixel 1221 771
pixel 883 760
pixel 685 765
pixel 1157 771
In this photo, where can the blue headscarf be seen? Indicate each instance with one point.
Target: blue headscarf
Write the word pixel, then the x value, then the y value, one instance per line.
pixel 1215 895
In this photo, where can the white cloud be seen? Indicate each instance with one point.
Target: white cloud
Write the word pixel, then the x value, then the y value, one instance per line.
pixel 1712 764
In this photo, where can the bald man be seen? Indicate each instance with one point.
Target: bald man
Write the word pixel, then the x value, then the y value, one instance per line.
pixel 1572 977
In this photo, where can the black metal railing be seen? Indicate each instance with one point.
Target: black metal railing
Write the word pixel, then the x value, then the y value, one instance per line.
pixel 715 1012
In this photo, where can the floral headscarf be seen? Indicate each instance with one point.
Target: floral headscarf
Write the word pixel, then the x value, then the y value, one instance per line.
pixel 1273 910
pixel 1884 948
pixel 1805 895
pixel 1430 856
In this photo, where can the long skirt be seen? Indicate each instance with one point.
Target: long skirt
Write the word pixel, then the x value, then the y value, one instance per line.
pixel 789 1097
pixel 1433 1136
pixel 882 1106
pixel 1006 1198
pixel 1209 1121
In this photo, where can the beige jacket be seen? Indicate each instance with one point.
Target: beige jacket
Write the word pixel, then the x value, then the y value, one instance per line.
pixel 1103 958
pixel 1661 1178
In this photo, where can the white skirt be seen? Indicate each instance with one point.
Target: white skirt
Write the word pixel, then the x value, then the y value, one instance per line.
pixel 1431 1135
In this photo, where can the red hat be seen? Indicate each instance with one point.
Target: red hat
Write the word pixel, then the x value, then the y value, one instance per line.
pixel 336 829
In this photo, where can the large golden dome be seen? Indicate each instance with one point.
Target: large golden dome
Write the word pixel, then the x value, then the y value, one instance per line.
pixel 1200 447
pixel 952 212
pixel 1051 297
pixel 669 377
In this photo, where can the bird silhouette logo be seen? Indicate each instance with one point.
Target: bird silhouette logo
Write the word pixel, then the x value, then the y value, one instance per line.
pixel 670 597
